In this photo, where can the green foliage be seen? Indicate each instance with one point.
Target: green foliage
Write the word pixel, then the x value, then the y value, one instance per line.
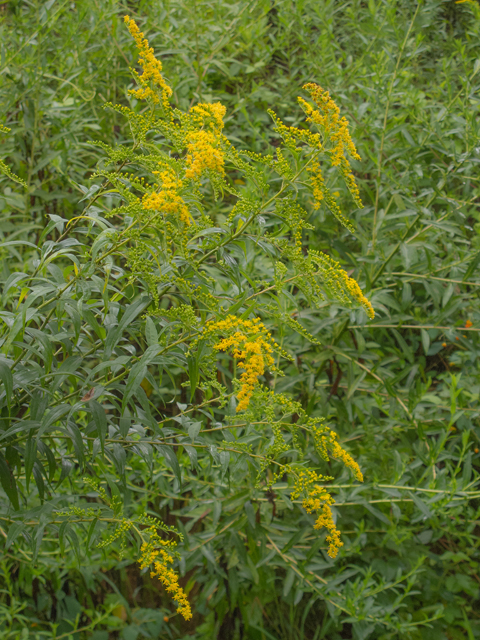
pixel 96 374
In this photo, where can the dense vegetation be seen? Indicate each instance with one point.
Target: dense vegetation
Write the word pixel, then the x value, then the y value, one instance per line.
pixel 119 389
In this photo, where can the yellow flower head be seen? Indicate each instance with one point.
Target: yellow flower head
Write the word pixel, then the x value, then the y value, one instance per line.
pixel 169 579
pixel 151 69
pixel 252 347
pixel 204 146
pixel 357 294
pixel 209 115
pixel 335 128
pixel 167 199
pixel 317 499
pixel 328 117
pixel 156 552
pixel 203 155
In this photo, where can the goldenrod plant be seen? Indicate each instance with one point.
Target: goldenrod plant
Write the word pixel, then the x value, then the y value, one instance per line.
pixel 205 430
pixel 150 248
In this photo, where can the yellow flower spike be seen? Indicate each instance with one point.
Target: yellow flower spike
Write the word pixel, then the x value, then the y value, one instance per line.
pixel 151 69
pixel 169 579
pixel 335 128
pixel 153 553
pixel 167 199
pixel 318 500
pixel 209 115
pixel 346 458
pixel 203 155
pixel 316 497
pixel 356 293
pixel 251 346
pixel 317 182
pixel 204 152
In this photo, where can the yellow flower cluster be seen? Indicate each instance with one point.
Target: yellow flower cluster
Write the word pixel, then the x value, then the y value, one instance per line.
pixel 203 155
pixel 317 182
pixel 318 500
pixel 350 181
pixel 326 438
pixel 168 200
pixel 324 519
pixel 328 117
pixel 209 115
pixel 348 461
pixel 337 282
pixel 336 129
pixel 354 290
pixel 151 68
pixel 252 345
pixel 160 558
pixel 169 579
pixel 203 149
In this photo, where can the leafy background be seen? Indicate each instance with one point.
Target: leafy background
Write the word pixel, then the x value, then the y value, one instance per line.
pixel 401 391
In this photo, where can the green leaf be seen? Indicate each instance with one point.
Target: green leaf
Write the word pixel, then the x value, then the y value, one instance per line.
pixel 100 419
pixel 38 405
pixel 206 232
pixel 248 311
pixel 30 457
pixel 23 425
pixel 61 536
pixel 38 473
pixel 234 308
pixel 47 347
pixel 13 532
pixel 67 466
pixel 193 375
pixel 48 453
pixel 467 469
pixel 92 321
pixel 8 482
pixel 133 310
pixel 107 236
pixel 7 379
pixel 91 529
pixel 151 332
pixel 472 266
pixel 194 429
pixel 53 416
pixel 171 460
pixel 425 341
pixel 77 442
pixel 13 243
pixel 137 374
pixel 250 511
pixel 37 541
pixel 233 584
pixel 287 585
pixel 224 462
pixel 68 367
pixel 15 329
pixel 293 540
pixel 119 457
pixel 192 454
